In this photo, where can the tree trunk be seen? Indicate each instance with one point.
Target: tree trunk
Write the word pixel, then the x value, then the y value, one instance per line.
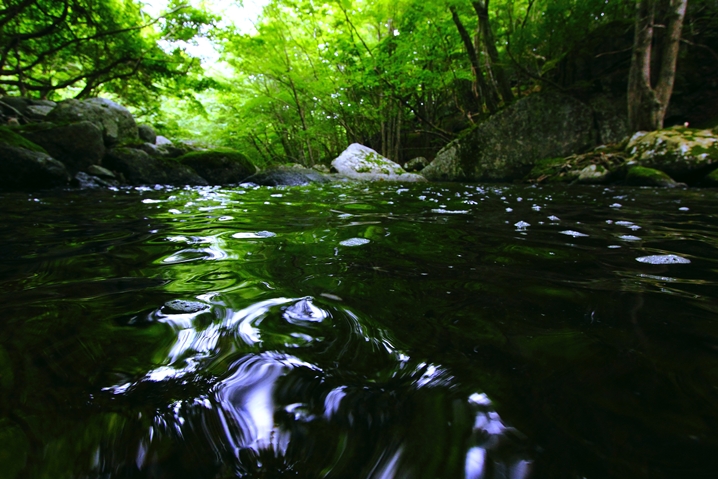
pixel 669 56
pixel 487 33
pixel 482 87
pixel 646 105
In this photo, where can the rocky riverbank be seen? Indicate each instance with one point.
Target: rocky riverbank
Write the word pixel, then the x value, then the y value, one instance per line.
pixel 543 138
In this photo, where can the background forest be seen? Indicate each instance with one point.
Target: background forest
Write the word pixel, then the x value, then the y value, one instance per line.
pixel 403 77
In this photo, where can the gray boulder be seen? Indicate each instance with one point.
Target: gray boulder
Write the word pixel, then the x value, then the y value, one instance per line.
pixel 23 169
pixel 139 168
pixel 77 145
pixel 283 176
pixel 147 133
pixel 506 146
pixel 360 162
pixel 114 121
pixel 100 172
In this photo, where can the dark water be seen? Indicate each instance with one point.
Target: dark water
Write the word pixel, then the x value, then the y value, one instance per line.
pixel 359 332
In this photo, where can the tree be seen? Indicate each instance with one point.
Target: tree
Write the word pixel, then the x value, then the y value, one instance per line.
pixel 84 45
pixel 647 104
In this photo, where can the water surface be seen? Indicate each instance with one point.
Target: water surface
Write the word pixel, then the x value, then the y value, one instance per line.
pixel 359 331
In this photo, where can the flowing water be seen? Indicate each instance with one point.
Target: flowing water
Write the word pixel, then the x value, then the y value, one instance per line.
pixel 359 331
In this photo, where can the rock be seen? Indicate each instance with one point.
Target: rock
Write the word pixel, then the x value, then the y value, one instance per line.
pixel 321 168
pixel 23 169
pixel 77 145
pixel 101 172
pixel 287 176
pixel 153 150
pixel 684 153
pixel 147 133
pixel 506 146
pixel 114 121
pixel 219 167
pixel 416 164
pixel 141 169
pixel 9 137
pixel 362 163
pixel 594 175
pixel 89 182
pixel 642 176
pixel 611 115
pixel 161 140
pixel 181 306
pixel 28 108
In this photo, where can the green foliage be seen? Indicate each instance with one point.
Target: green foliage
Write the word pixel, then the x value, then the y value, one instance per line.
pixel 80 48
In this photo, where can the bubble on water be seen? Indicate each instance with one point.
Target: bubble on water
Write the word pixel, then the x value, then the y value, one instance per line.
pixel 449 212
pixel 521 225
pixel 254 235
pixel 629 238
pixel 575 234
pixel 355 242
pixel 663 259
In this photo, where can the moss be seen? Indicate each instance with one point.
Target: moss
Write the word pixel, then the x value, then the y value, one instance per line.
pixel 642 176
pixel 216 157
pixel 10 138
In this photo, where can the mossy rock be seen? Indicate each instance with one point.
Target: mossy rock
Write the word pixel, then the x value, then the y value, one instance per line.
pixel 10 138
pixel 684 153
pixel 643 176
pixel 219 166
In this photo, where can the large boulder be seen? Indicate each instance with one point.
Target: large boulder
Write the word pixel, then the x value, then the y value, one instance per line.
pixel 116 122
pixel 139 168
pixel 220 166
pixel 642 176
pixel 506 146
pixel 283 176
pixel 686 154
pixel 23 169
pixel 77 145
pixel 362 163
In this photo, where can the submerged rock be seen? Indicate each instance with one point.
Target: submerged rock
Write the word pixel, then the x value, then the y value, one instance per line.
pixel 684 153
pixel 642 176
pixel 220 166
pixel 506 146
pixel 362 163
pixel 114 121
pixel 283 176
pixel 181 306
pixel 86 181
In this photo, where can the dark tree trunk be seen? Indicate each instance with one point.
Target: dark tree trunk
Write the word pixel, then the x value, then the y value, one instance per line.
pixel 481 85
pixel 647 105
pixel 487 33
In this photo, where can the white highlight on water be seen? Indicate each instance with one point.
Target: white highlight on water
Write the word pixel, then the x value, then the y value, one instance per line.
pixel 663 259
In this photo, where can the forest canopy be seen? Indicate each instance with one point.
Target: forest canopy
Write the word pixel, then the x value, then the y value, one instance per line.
pixel 404 77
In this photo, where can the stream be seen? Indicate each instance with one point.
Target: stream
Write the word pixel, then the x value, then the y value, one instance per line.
pixel 359 331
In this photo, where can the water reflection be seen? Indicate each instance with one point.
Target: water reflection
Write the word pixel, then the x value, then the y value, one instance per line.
pixel 353 331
